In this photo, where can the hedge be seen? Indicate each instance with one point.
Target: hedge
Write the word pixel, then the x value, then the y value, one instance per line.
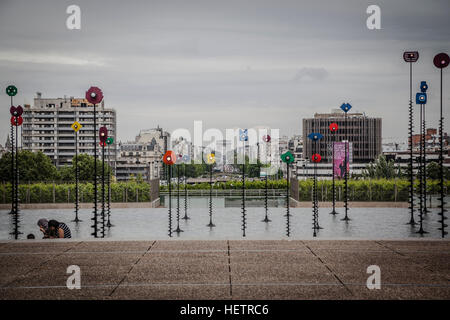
pixel 65 193
pixel 359 190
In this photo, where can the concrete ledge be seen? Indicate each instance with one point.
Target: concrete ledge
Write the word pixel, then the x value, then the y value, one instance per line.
pixel 356 204
pixel 86 205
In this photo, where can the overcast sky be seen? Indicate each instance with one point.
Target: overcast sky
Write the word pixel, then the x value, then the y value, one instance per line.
pixel 229 63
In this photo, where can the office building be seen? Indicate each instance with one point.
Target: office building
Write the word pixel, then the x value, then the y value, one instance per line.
pixel 363 132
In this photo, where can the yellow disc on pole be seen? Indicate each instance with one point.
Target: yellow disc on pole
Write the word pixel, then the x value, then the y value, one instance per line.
pixel 76 126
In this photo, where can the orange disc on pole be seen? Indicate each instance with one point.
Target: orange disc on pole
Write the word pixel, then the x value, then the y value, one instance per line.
pixel 169 158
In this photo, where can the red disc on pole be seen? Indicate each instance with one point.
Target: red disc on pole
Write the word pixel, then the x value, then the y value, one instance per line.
pixel 169 158
pixel 94 95
pixel 19 110
pixel 316 157
pixel 441 60
pixel 333 127
pixel 103 134
pixel 16 121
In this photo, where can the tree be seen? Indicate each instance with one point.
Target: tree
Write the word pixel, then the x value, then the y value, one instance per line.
pixel 434 173
pixel 32 166
pixel 382 168
pixel 86 167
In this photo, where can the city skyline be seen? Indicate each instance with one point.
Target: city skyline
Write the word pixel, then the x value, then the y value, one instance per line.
pixel 266 64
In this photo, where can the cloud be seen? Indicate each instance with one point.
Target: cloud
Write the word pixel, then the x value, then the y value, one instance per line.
pixel 308 74
pixel 48 58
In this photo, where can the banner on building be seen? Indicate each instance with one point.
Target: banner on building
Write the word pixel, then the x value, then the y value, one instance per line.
pixel 339 159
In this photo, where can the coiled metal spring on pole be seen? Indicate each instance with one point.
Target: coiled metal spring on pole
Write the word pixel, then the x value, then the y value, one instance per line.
pixel 422 171
pixel 288 215
pixel 411 166
pixel 103 193
pixel 169 179
pixel 94 218
pixel 441 206
pixel 178 230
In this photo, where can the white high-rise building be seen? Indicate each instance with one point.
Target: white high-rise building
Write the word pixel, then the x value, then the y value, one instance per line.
pixel 47 128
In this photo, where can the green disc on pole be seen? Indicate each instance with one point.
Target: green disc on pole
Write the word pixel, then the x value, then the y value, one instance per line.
pixel 11 90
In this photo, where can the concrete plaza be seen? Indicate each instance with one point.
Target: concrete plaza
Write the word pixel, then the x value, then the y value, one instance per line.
pixel 176 269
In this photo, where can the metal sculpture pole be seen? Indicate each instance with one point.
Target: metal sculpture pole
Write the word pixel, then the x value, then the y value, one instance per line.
pixel 243 137
pixel 76 126
pixel 185 194
pixel 169 176
pixel 103 133
pixel 316 158
pixel 287 158
pixel 11 91
pixel 94 96
pixel 420 168
pixel 266 219
pixel 424 141
pixel 103 190
pixel 421 174
pixel 441 61
pixel 109 141
pixel 95 174
pixel 315 204
pixel 169 159
pixel 16 120
pixel 346 107
pixel 411 57
pixel 13 177
pixel 333 128
pixel 178 230
pixel 421 99
pixel 76 177
pixel 288 215
pixel 211 224
pixel 16 196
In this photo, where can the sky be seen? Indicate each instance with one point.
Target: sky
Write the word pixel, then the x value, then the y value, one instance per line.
pixel 228 63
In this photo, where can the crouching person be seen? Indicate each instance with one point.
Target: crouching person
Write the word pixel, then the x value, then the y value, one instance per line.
pixel 58 230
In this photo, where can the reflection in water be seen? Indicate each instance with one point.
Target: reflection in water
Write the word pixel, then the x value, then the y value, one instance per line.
pixel 141 223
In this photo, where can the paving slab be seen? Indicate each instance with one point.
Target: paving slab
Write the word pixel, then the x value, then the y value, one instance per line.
pixel 344 245
pixel 249 245
pixel 53 293
pixel 38 247
pixel 96 259
pixel 400 292
pixel 173 292
pixel 113 246
pixel 209 270
pixel 290 292
pixel 177 245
